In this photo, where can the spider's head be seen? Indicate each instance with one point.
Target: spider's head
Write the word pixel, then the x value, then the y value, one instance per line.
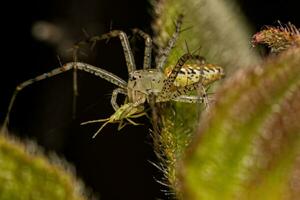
pixel 146 81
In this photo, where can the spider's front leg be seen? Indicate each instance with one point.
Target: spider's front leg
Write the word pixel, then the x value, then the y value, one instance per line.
pixel 114 97
pixel 124 42
pixel 106 36
pixel 148 47
pixel 66 67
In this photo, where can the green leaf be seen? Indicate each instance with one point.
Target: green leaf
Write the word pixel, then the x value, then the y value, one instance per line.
pixel 248 145
pixel 26 174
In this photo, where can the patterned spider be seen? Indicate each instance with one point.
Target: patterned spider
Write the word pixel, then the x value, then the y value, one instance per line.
pixel 173 85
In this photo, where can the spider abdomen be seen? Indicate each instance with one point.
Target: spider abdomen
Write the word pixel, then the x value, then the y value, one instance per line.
pixel 193 73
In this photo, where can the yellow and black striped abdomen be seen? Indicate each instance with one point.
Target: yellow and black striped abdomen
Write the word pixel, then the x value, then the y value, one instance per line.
pixel 192 73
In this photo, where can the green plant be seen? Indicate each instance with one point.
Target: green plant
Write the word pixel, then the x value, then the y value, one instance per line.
pixel 246 145
pixel 26 173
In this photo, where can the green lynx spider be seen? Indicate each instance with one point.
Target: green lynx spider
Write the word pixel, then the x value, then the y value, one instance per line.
pixel 142 83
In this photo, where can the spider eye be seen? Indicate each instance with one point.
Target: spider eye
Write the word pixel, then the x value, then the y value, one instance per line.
pixel 133 78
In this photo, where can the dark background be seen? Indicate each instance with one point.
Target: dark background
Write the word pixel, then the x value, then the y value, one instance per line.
pixel 114 165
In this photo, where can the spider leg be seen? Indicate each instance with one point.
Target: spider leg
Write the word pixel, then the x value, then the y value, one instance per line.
pixel 148 47
pixel 190 99
pixel 114 33
pixel 164 53
pixel 75 51
pixel 202 96
pixel 75 92
pixel 68 66
pixel 184 90
pixel 114 97
pixel 124 42
pixel 169 82
pixel 202 91
pixel 200 60
pixel 75 82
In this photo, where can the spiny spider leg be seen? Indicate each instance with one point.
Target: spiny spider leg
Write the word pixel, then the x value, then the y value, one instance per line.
pixel 93 40
pixel 125 44
pixel 164 53
pixel 75 92
pixel 190 99
pixel 75 82
pixel 201 98
pixel 114 97
pixel 106 36
pixel 202 92
pixel 183 91
pixel 68 66
pixel 168 83
pixel 148 47
pixel 208 76
pixel 200 59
